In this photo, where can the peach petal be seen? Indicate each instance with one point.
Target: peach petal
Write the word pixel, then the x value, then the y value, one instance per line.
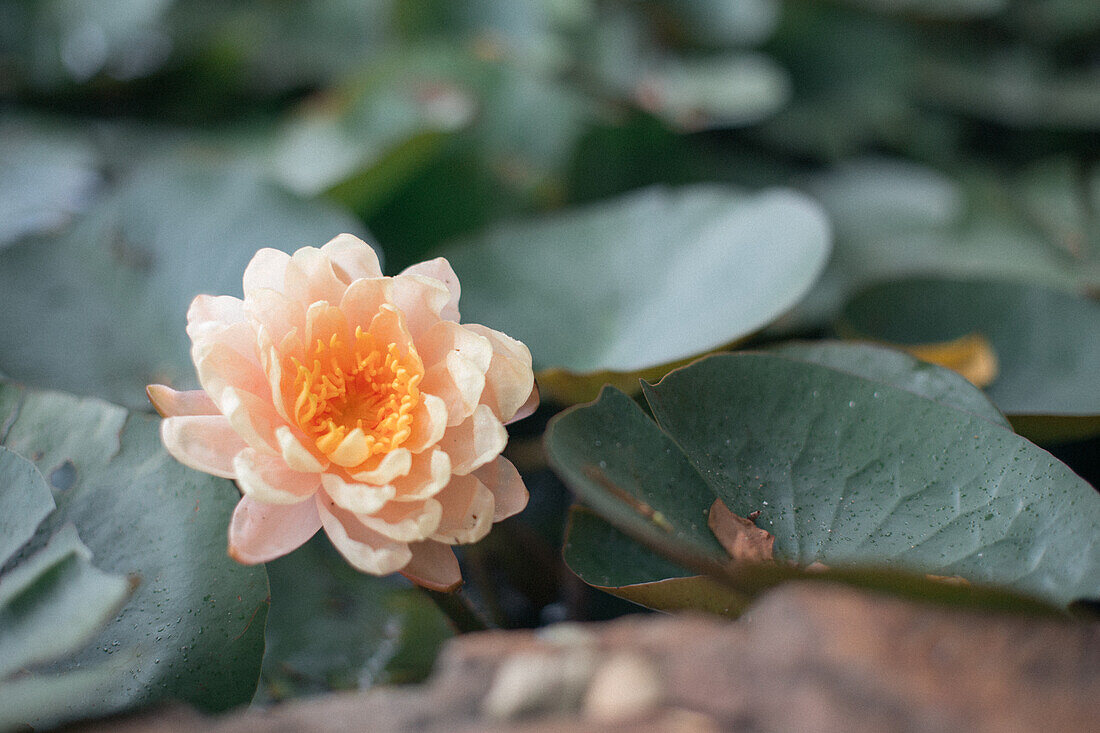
pixel 296 455
pixel 459 382
pixel 206 443
pixel 323 321
pixel 358 498
pixel 385 468
pixel 440 269
pixel 352 451
pixel 509 381
pixel 421 299
pixel 351 258
pixel 275 312
pixel 389 327
pixel 220 365
pixel 467 511
pixel 273 367
pixel 364 549
pixel 253 418
pixel 427 477
pixel 509 494
pixel 429 423
pixel 405 521
pixel 527 409
pixel 171 403
pixel 310 278
pixel 433 566
pixel 213 310
pixel 261 532
pixel 268 480
pixel 447 337
pixel 475 441
pixel 266 270
pixel 364 298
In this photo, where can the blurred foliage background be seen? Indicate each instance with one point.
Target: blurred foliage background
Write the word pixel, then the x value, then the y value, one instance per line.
pixel 149 147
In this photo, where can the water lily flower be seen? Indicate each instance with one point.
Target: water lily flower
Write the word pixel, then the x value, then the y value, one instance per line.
pixel 341 399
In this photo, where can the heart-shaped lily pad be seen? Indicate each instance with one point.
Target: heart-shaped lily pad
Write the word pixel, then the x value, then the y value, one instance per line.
pixel 193 628
pixel 651 278
pixel 845 471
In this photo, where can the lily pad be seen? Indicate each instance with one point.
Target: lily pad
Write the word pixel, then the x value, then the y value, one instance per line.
pixel 875 482
pixel 193 629
pixel 331 627
pixel 644 280
pixel 114 288
pixel 1046 341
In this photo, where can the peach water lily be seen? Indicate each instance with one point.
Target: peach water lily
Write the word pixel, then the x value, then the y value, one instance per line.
pixel 345 400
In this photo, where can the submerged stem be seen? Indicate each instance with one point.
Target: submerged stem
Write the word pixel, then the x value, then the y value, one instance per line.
pixel 458 608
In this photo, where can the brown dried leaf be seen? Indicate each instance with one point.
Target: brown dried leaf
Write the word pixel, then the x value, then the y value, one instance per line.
pixel 971 356
pixel 743 540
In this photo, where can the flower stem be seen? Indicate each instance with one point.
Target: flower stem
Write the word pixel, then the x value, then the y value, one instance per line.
pixel 458 608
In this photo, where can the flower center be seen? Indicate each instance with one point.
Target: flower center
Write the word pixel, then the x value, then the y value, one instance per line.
pixel 364 385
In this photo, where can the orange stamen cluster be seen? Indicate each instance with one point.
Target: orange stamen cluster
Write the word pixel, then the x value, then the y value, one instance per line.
pixel 364 385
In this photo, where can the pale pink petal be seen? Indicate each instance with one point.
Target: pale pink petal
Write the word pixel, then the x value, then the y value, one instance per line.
pixel 509 381
pixel 206 443
pixel 383 469
pixel 272 364
pixel 219 365
pixel 429 421
pixel 366 550
pixel 405 521
pixel 527 409
pixel 253 418
pixel 352 451
pixel 356 497
pixel 275 312
pixel 427 477
pixel 467 511
pixel 208 311
pixel 322 322
pixel 352 258
pixel 171 403
pixel 267 479
pixel 458 382
pixel 447 337
pixel 310 278
pixel 296 455
pixel 421 299
pixel 475 441
pixel 433 566
pixel 266 270
pixel 388 327
pixel 441 270
pixel 364 298
pixel 509 494
pixel 261 532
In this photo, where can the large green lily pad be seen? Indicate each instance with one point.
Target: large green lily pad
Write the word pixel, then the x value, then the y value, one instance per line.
pixel 845 471
pixel 114 287
pixel 644 280
pixel 193 628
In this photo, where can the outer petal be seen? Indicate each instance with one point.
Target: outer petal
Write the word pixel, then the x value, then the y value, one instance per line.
pixel 208 311
pixel 467 511
pixel 405 521
pixel 474 442
pixel 421 299
pixel 509 380
pixel 433 566
pixel 260 532
pixel 441 270
pixel 358 498
pixel 172 403
pixel 274 312
pixel 364 549
pixel 310 278
pixel 430 472
pixel 458 382
pixel 352 258
pixel 266 270
pixel 527 408
pixel 267 479
pixel 509 494
pixel 206 443
pixel 221 361
pixel 253 418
